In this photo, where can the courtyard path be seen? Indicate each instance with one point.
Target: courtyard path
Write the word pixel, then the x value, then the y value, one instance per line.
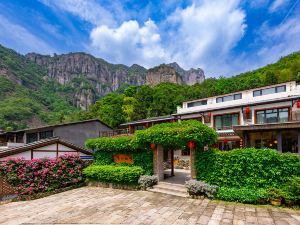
pixel 95 205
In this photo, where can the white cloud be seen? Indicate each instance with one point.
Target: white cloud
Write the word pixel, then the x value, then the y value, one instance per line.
pixel 129 43
pixel 280 41
pixel 258 3
pixel 88 10
pixel 206 33
pixel 277 4
pixel 193 36
pixel 14 35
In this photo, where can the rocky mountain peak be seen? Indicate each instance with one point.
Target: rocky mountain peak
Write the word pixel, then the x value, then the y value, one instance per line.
pixel 163 73
pixel 94 77
pixel 191 76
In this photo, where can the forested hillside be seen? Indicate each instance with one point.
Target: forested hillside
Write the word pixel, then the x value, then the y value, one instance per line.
pixel 28 96
pixel 141 102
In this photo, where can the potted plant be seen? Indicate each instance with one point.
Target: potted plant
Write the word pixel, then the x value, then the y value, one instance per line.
pixel 275 196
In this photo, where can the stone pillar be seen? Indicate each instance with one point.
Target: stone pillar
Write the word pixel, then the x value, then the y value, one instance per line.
pixel 172 162
pixel 279 141
pixel 158 159
pixel 192 163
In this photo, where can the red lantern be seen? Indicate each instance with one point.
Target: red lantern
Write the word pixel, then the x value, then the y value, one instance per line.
pixel 247 110
pixel 153 146
pixel 209 114
pixel 225 141
pixel 298 105
pixel 191 145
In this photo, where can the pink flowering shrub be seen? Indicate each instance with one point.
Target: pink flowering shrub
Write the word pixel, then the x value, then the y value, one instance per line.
pixel 42 175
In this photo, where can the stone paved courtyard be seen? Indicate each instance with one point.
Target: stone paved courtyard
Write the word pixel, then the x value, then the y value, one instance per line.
pixel 93 205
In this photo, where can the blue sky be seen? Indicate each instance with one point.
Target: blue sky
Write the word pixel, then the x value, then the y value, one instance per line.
pixel 222 37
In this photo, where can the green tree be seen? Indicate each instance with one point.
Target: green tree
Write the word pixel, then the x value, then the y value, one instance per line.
pixel 109 109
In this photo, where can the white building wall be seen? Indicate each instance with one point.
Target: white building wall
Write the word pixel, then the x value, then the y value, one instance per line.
pixel 26 155
pixel 64 148
pixel 247 98
pixel 40 154
pixel 48 147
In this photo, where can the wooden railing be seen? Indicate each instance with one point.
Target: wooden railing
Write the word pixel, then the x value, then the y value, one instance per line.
pixel 112 133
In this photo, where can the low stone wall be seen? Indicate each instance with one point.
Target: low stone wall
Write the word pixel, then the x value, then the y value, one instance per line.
pixel 6 190
pixel 112 185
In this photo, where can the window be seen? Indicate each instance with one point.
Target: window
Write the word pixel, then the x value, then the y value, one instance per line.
pixel 225 122
pixel 268 91
pixel 46 134
pixel 198 103
pixel 272 116
pixel 229 98
pixel 32 137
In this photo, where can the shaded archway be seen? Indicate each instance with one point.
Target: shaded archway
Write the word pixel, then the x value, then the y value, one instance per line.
pixel 172 136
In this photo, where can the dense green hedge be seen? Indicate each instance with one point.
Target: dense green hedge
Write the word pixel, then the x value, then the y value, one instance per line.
pixel 244 195
pixel 176 135
pixel 252 168
pixel 143 159
pixel 114 174
pixel 113 144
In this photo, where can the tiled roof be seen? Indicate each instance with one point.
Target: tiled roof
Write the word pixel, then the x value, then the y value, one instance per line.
pixel 152 119
pixel 44 142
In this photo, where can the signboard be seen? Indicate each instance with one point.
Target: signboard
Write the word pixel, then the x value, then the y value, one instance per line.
pixel 123 158
pixel 86 157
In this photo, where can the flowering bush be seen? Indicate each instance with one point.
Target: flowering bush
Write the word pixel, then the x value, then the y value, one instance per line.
pixel 41 175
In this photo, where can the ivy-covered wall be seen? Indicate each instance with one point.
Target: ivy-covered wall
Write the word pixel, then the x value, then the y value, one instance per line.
pixel 169 135
pixel 253 168
pixel 106 147
pixel 143 159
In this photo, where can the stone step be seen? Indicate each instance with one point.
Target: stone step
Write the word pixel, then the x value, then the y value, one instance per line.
pixel 169 192
pixel 171 184
pixel 170 187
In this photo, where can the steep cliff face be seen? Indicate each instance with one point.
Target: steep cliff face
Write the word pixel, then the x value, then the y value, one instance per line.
pixel 191 76
pixel 163 73
pixel 92 77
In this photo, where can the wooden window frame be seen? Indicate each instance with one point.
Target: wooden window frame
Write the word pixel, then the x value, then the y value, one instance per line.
pixel 214 116
pixel 264 109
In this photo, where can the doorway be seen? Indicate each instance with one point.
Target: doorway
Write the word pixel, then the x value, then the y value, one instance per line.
pixel 176 165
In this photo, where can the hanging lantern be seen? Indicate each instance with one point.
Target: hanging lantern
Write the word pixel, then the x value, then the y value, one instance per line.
pixel 225 141
pixel 153 146
pixel 247 110
pixel 209 114
pixel 298 105
pixel 191 145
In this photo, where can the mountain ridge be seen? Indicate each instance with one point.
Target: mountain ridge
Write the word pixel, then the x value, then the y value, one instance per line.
pixel 99 77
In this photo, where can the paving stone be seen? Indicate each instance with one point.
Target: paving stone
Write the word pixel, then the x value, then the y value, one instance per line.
pixel 226 222
pixel 96 205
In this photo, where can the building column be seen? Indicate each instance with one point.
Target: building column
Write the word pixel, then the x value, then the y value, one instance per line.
pixel 158 159
pixel 298 141
pixel 192 163
pixel 279 141
pixel 172 162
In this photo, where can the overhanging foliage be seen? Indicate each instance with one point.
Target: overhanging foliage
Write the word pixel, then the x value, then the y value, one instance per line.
pixel 177 134
pixel 113 144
